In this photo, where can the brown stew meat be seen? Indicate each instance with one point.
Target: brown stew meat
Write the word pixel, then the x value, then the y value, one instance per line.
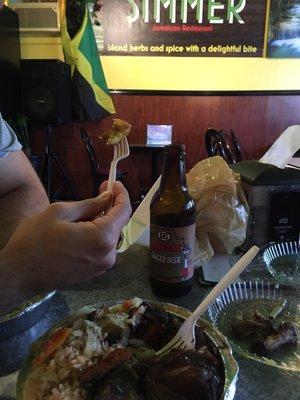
pixel 136 373
pixel 264 334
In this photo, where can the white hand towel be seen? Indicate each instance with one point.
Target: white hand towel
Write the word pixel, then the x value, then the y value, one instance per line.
pixel 137 229
pixel 284 147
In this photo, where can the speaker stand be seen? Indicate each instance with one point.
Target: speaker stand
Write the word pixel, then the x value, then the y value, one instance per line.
pixel 51 161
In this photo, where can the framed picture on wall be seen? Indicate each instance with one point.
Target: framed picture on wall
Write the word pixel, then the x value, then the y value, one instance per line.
pixel 159 134
pixel 284 29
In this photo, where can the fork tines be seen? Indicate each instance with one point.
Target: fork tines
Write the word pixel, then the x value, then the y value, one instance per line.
pixel 122 149
pixel 176 343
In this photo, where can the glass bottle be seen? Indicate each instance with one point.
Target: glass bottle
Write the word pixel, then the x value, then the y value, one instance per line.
pixel 172 228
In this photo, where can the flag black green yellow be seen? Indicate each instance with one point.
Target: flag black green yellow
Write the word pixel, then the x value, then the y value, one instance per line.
pixel 90 92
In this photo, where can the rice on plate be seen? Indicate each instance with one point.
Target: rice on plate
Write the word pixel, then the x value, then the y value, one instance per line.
pixel 108 353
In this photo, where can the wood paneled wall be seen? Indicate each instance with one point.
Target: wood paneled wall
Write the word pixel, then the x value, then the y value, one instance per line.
pixel 256 120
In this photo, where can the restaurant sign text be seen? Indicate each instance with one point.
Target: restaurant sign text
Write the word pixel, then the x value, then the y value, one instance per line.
pixel 231 28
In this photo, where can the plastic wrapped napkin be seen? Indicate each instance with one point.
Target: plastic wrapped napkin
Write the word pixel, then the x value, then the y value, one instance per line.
pixel 222 210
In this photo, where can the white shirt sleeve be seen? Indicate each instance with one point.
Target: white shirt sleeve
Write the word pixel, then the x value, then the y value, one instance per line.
pixel 8 139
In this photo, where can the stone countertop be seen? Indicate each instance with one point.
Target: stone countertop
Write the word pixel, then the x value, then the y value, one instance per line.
pixel 128 278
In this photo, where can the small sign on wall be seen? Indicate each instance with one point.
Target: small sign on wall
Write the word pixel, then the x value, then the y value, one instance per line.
pixel 199 28
pixel 159 134
pixel 284 29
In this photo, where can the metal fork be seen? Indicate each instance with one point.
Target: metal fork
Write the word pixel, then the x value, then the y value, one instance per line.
pixel 121 150
pixel 185 337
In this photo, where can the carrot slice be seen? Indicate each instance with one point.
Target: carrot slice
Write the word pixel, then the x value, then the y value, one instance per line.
pixel 56 340
pixel 127 304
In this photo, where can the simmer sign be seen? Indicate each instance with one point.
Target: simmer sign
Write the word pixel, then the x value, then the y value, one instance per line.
pixel 184 27
pixel 142 9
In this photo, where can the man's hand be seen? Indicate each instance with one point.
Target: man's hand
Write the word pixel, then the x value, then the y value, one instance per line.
pixel 65 244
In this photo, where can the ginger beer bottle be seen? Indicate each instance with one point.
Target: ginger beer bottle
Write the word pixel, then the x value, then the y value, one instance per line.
pixel 172 228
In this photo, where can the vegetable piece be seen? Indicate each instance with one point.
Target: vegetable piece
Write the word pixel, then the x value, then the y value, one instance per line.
pixel 277 310
pixel 127 304
pixel 56 340
pixel 112 360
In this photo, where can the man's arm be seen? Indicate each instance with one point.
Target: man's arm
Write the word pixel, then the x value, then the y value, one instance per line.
pixel 64 244
pixel 21 193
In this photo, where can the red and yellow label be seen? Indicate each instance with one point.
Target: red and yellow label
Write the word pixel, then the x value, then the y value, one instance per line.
pixel 172 253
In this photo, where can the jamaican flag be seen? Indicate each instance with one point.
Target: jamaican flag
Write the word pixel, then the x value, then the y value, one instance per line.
pixel 90 97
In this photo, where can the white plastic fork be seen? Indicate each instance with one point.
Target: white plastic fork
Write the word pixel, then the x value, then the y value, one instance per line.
pixel 121 150
pixel 185 337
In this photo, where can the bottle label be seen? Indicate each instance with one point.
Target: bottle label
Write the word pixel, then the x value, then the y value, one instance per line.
pixel 172 253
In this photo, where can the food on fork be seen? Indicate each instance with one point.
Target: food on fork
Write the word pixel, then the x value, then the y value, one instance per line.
pixel 109 353
pixel 117 132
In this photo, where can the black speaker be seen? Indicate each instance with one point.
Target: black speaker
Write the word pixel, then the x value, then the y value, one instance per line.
pixel 46 91
pixel 9 62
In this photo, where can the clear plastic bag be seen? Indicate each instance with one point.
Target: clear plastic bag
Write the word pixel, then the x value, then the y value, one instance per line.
pixel 222 209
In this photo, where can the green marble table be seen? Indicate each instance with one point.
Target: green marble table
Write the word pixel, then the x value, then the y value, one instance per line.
pixel 129 277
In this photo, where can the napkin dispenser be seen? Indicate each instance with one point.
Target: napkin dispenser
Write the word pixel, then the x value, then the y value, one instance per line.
pixel 273 195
